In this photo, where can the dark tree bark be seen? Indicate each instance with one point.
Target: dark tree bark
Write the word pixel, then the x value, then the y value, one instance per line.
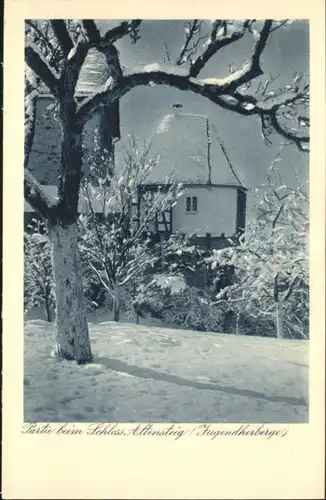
pixel 71 322
pixel 30 117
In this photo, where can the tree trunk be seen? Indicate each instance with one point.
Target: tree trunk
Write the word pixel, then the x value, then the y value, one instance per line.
pixel 116 315
pixel 279 320
pixel 71 322
pixel 31 85
pixel 237 324
pixel 48 306
pixel 228 320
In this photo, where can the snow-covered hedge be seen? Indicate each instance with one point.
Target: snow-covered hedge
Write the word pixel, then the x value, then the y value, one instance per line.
pixel 38 278
pixel 270 292
pixel 172 300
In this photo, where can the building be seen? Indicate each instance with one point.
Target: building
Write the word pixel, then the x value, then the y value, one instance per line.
pixel 46 150
pixel 213 206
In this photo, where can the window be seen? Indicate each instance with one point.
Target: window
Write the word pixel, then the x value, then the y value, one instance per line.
pixel 191 204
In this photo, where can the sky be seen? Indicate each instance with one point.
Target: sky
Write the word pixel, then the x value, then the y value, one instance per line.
pixel 144 107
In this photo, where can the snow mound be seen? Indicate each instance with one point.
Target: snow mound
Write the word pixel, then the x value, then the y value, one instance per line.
pixel 151 374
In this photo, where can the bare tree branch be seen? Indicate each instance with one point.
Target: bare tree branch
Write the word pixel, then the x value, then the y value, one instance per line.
pixel 216 24
pixel 37 62
pixel 38 199
pixel 304 120
pixel 215 90
pixel 220 91
pixel 223 91
pixel 290 289
pixel 31 84
pixel 117 32
pixel 107 264
pixel 192 28
pixel 215 45
pixel 50 47
pixel 91 30
pixel 270 112
pixel 62 34
pixel 72 67
pixel 262 40
pixel 111 91
pixel 279 25
pixel 42 36
pixel 167 52
pixel 290 135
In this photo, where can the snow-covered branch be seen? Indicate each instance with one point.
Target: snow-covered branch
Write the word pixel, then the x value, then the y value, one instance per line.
pixel 291 288
pixel 215 44
pixel 38 199
pixel 31 93
pixel 120 31
pixel 270 259
pixel 225 91
pixel 42 35
pixel 274 109
pixel 91 30
pixel 118 241
pixel 72 66
pixel 192 28
pixel 62 34
pixel 41 67
pixel 288 134
pixel 111 36
pixel 163 74
pixel 222 91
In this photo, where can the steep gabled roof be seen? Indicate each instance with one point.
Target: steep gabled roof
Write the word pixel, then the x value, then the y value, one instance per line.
pixel 191 150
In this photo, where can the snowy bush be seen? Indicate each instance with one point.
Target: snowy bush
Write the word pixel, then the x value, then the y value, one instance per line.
pixel 172 300
pixel 38 278
pixel 116 231
pixel 192 310
pixel 95 294
pixel 270 293
pixel 39 286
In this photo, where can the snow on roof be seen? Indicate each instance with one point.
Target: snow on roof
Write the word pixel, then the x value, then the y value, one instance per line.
pixel 181 140
pixel 94 72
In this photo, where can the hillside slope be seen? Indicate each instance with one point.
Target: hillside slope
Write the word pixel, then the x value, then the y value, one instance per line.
pixel 152 374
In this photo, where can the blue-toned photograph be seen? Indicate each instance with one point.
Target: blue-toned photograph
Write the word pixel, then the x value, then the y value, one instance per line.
pixel 166 221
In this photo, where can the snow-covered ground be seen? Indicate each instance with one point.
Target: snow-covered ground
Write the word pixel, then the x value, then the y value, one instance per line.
pixel 145 373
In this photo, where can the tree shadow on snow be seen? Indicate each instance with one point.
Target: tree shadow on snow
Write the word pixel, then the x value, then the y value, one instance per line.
pixel 149 373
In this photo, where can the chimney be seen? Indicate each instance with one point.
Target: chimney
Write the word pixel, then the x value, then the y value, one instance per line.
pixel 177 109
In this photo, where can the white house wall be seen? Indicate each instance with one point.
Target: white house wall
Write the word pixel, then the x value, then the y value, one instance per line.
pixel 216 212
